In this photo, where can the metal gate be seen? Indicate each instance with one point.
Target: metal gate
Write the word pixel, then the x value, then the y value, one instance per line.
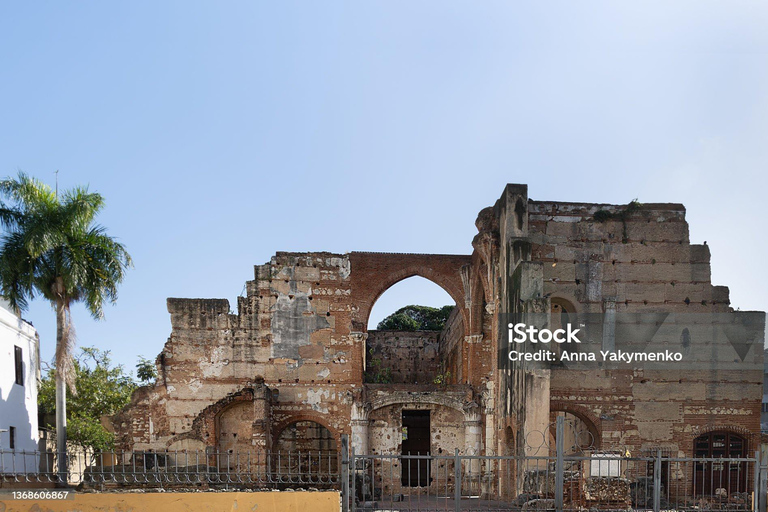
pixel 559 481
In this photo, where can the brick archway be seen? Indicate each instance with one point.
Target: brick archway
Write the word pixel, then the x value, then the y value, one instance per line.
pixel 278 428
pixel 371 274
pixel 752 439
pixel 590 420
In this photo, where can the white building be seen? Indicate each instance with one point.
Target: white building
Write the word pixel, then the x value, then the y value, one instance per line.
pixel 19 375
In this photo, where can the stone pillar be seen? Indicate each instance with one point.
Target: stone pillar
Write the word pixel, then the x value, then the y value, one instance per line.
pixel 360 436
pixel 360 424
pixel 473 436
pixel 358 341
pixel 609 324
pixel 261 435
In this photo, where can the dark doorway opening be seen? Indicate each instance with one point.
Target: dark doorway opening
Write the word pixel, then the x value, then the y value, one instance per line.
pixel 416 471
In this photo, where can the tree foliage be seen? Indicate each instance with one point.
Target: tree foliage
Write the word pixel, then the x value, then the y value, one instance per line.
pixel 102 390
pixel 52 248
pixel 146 371
pixel 416 318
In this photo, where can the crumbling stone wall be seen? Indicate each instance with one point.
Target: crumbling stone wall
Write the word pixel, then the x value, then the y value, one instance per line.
pixel 644 263
pixel 291 331
pixel 447 428
pixel 641 262
pixel 295 350
pixel 293 337
pixel 402 356
pixel 450 344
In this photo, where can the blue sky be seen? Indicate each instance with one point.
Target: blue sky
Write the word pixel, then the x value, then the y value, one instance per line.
pixel 220 133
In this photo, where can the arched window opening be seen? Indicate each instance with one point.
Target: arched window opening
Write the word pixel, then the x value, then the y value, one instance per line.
pixel 579 435
pixel 305 436
pixel 561 314
pixel 412 331
pixel 303 447
pixel 509 441
pixel 710 475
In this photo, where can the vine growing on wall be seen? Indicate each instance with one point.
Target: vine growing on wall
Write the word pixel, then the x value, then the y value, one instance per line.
pixel 442 379
pixel 376 373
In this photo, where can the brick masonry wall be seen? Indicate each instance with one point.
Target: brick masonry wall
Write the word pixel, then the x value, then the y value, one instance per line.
pixel 647 266
pixel 300 336
pixel 407 356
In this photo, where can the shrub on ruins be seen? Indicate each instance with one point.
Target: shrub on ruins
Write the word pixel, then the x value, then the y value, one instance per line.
pixel 416 318
pixel 146 371
pixel 376 372
pixel 102 390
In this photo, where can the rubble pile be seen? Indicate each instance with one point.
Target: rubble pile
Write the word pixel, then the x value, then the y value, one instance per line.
pixel 607 491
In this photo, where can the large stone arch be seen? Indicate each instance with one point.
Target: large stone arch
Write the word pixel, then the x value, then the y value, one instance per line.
pixel 312 453
pixel 371 274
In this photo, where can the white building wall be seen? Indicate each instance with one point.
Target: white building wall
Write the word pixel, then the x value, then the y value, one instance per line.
pixel 18 404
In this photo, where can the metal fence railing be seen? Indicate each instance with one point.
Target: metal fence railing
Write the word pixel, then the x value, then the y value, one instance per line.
pixel 585 481
pixel 589 481
pixel 174 468
pixel 575 483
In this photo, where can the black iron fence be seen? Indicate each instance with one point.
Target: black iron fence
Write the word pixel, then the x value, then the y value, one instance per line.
pixel 105 469
pixel 590 481
pixel 594 482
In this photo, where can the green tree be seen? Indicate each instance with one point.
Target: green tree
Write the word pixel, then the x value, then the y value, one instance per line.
pixel 102 390
pixel 52 248
pixel 146 371
pixel 416 318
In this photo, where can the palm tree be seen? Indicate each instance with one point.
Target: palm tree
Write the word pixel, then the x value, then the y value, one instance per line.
pixel 52 248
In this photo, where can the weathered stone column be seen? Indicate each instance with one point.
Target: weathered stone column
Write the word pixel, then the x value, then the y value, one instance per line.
pixel 261 439
pixel 609 324
pixel 360 424
pixel 358 341
pixel 473 435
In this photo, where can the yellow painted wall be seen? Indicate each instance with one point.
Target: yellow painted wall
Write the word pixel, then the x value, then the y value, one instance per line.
pixel 325 501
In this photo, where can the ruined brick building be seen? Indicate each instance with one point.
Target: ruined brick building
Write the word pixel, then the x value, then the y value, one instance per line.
pixel 287 371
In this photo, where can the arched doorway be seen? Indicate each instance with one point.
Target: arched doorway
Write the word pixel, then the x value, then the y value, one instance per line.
pixel 304 447
pixel 711 475
pixel 580 434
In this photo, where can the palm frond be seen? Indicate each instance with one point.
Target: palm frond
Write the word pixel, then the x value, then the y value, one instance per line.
pixel 52 248
pixel 30 193
pixel 17 271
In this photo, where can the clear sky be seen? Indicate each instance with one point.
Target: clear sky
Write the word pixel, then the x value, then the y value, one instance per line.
pixel 221 132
